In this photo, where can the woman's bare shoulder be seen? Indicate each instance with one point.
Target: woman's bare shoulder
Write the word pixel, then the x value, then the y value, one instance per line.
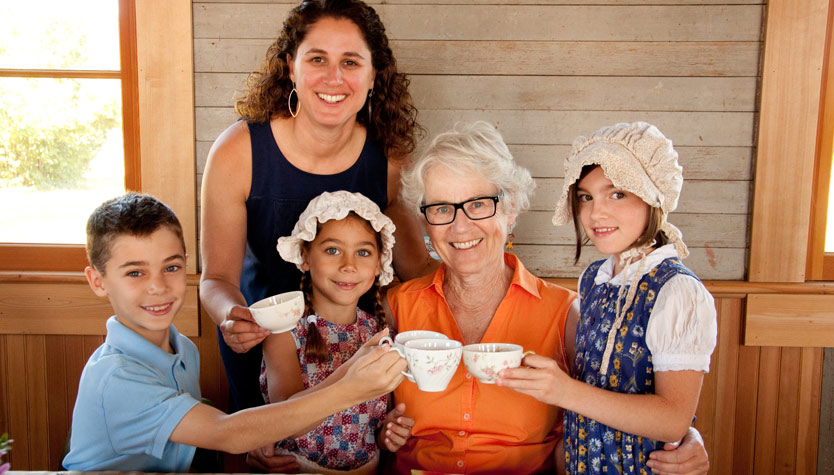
pixel 229 163
pixel 233 143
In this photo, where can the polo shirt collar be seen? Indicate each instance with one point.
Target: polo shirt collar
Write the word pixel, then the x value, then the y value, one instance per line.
pixel 132 344
pixel 521 278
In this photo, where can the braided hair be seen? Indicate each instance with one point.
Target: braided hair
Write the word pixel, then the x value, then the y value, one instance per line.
pixel 316 348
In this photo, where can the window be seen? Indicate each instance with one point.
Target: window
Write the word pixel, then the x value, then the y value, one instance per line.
pixel 68 125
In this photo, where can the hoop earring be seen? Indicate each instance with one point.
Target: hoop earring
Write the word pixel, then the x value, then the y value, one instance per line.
pixel 510 240
pixel 370 95
pixel 297 102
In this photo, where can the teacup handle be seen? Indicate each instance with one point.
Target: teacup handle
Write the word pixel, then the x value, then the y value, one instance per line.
pixel 393 347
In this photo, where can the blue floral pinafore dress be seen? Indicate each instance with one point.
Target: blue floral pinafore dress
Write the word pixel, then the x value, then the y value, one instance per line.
pixel 591 447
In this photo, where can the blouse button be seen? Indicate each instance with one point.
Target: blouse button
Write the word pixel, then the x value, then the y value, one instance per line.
pixel 468 376
pixel 466 416
pixel 460 463
pixel 462 433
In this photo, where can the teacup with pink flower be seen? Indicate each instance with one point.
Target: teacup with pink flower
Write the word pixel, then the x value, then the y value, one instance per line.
pixel 486 360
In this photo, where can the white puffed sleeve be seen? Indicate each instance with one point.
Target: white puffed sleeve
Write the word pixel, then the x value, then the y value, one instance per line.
pixel 682 328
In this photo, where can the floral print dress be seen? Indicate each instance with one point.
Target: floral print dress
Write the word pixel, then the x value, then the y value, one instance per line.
pixel 592 447
pixel 345 440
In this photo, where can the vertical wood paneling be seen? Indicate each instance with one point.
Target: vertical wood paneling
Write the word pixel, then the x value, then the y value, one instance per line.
pixel 58 415
pixel 75 359
pixel 726 367
pixel 4 384
pixel 746 408
pixel 36 390
pixel 18 400
pixel 784 459
pixel 767 410
pixel 808 410
pixel 213 382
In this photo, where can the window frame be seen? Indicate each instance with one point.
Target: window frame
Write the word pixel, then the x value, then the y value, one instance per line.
pixel 820 264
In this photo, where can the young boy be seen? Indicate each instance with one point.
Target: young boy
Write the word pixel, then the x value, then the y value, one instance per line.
pixel 138 405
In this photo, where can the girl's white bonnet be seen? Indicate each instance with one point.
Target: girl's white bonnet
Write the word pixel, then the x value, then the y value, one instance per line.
pixel 637 158
pixel 337 205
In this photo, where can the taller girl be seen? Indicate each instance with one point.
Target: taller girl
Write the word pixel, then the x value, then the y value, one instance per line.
pixel 647 325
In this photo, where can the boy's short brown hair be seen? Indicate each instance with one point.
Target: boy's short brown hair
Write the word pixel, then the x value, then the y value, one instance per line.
pixel 132 214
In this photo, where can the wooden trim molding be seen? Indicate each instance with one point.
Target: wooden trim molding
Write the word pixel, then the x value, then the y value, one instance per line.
pixel 791 80
pixel 165 74
pixel 56 257
pixel 59 74
pixel 819 265
pixel 71 308
pixel 130 95
pixel 789 320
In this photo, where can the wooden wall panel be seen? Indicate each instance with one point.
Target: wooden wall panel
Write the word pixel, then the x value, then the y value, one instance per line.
pixel 796 32
pixel 510 22
pixel 60 414
pixel 758 411
pixel 544 73
pixel 70 308
pixel 166 110
pixel 789 320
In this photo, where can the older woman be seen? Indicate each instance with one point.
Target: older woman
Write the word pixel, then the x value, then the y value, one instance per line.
pixel 470 192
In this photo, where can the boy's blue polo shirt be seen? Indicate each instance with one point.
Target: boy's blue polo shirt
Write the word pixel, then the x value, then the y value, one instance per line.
pixel 131 396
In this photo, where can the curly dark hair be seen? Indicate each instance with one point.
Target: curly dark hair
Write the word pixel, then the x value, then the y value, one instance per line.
pixel 394 117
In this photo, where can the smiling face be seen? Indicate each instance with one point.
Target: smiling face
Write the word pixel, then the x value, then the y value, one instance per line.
pixel 144 278
pixel 466 246
pixel 343 261
pixel 613 219
pixel 332 71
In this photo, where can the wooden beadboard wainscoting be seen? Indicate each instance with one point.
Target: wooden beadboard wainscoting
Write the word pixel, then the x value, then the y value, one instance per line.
pixel 759 408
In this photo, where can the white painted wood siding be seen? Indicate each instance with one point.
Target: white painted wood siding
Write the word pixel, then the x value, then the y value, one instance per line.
pixel 544 72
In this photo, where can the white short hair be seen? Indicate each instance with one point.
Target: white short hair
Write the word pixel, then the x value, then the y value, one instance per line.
pixel 470 148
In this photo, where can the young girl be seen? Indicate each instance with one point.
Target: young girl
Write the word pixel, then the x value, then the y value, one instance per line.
pixel 342 243
pixel 646 326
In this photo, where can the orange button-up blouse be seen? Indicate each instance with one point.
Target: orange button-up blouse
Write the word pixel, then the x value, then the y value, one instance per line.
pixel 473 427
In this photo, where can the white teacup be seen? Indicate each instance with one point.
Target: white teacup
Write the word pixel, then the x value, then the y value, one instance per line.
pixel 431 361
pixel 486 360
pixel 401 339
pixel 279 313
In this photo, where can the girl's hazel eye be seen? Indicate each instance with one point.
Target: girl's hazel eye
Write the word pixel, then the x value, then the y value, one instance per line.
pixel 618 195
pixel 584 197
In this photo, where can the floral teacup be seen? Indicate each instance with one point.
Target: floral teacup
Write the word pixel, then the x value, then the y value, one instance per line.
pixel 279 313
pixel 486 360
pixel 431 362
pixel 401 339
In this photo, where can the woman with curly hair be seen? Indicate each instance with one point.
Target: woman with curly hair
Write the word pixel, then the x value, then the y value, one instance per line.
pixel 327 111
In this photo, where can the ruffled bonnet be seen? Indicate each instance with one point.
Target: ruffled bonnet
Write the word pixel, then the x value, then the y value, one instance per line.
pixel 337 205
pixel 637 158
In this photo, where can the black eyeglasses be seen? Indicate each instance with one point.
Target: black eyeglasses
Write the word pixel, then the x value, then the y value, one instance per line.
pixel 482 207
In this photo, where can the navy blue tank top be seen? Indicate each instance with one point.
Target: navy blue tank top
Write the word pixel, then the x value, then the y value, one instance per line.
pixel 280 192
